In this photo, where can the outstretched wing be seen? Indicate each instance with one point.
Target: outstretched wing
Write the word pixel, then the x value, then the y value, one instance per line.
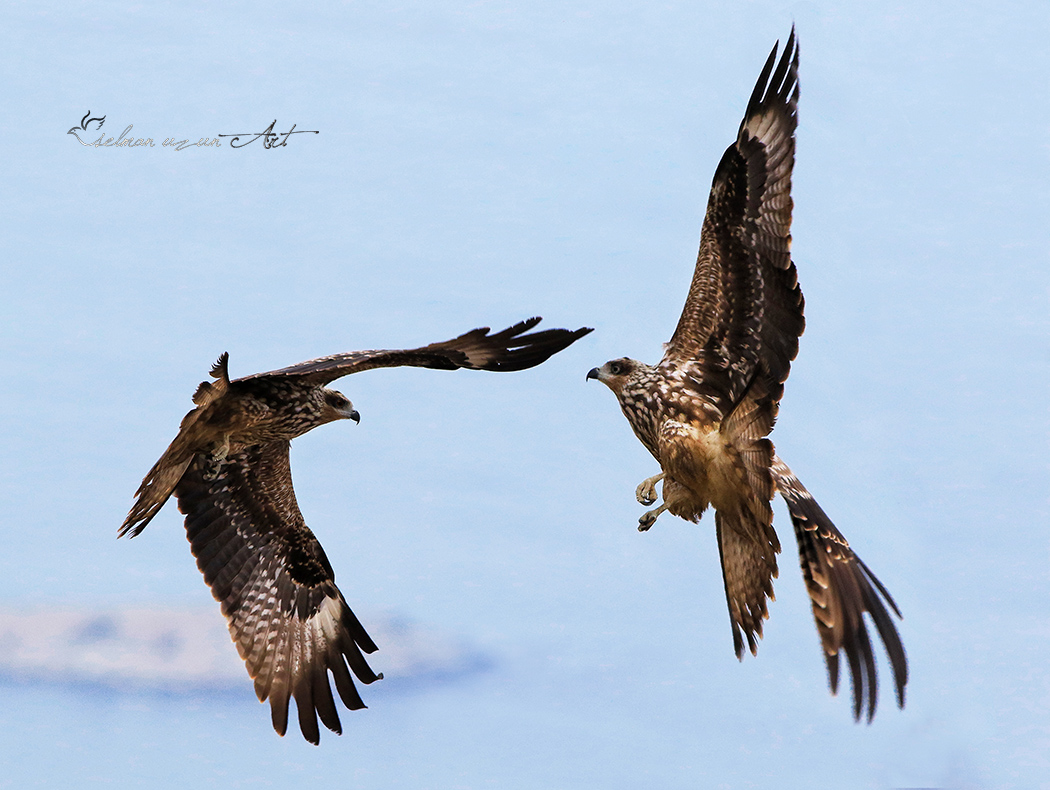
pixel 291 624
pixel 842 589
pixel 515 348
pixel 743 315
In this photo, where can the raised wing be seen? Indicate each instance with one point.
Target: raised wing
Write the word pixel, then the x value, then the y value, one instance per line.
pixel 291 624
pixel 743 314
pixel 512 349
pixel 842 589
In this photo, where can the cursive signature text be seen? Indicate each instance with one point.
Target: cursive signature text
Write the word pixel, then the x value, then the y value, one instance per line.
pixel 123 141
pixel 270 138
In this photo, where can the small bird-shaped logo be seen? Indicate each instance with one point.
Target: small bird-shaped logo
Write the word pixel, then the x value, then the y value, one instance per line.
pixel 85 122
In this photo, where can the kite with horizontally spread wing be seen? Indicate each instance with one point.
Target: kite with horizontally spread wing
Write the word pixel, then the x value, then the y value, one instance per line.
pixel 228 468
pixel 705 410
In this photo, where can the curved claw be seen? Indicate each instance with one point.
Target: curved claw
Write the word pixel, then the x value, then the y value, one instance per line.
pixel 646 490
pixel 649 518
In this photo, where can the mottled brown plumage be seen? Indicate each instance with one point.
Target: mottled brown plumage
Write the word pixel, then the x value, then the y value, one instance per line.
pixel 706 409
pixel 228 467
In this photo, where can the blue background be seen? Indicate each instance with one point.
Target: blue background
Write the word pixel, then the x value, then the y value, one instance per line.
pixel 477 163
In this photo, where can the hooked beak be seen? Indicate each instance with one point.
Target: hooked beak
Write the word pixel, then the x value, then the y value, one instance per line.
pixel 353 415
pixel 592 374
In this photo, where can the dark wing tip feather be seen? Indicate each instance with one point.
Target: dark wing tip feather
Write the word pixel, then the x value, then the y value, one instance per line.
pixel 887 631
pixel 782 86
pixel 513 331
pixel 279 713
pixel 832 661
pixel 878 585
pixel 515 348
pixel 763 80
pixel 325 703
pixel 306 708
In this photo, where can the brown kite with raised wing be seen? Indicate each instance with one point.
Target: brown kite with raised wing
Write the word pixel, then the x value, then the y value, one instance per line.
pixel 706 409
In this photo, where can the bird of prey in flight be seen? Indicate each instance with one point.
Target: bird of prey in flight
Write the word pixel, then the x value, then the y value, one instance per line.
pixel 705 410
pixel 228 468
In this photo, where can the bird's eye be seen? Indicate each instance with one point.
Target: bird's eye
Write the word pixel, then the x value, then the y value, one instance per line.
pixel 336 400
pixel 616 368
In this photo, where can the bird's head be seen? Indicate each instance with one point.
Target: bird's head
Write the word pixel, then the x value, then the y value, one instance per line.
pixel 336 406
pixel 615 373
